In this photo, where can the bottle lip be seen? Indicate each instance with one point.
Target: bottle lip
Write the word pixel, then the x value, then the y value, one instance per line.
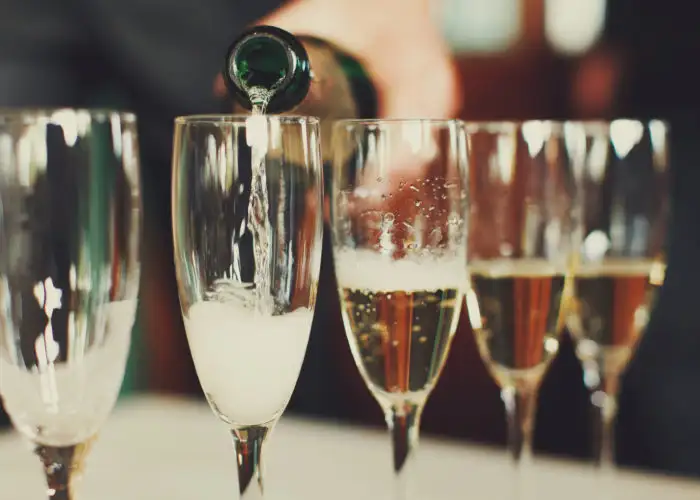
pixel 240 45
pixel 297 58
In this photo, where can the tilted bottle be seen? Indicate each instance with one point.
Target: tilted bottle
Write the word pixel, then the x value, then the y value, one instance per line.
pixel 298 74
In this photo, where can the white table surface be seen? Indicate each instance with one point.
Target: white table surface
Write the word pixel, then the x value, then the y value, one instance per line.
pixel 160 448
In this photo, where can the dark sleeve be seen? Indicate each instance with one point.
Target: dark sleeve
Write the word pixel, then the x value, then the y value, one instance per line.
pixel 657 425
pixel 165 55
pixel 659 41
pixel 168 52
pixel 619 17
pixel 42 49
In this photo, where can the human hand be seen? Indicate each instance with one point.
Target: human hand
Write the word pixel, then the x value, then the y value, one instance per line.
pixel 408 61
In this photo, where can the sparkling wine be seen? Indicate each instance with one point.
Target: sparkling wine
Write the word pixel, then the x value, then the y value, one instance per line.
pixel 399 318
pixel 259 202
pixel 59 403
pixel 611 307
pixel 514 307
pixel 247 363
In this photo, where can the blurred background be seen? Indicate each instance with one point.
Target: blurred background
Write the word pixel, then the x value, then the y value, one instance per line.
pixel 518 59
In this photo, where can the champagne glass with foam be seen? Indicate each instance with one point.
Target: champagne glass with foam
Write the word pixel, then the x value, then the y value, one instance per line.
pixel 70 217
pixel 247 221
pixel 399 242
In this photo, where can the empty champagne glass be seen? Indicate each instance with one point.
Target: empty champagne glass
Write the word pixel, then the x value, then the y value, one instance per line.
pixel 69 272
pixel 522 225
pixel 398 200
pixel 247 225
pixel 621 264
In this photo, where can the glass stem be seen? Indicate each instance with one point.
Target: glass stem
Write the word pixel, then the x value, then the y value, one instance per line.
pixel 404 424
pixel 248 442
pixel 63 468
pixel 607 444
pixel 604 404
pixel 520 412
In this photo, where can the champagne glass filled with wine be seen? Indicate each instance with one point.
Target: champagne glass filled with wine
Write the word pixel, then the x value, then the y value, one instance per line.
pixel 522 225
pixel 70 217
pixel 398 199
pixel 621 264
pixel 247 222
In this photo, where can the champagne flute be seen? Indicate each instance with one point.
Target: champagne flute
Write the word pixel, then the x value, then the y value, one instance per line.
pixel 247 222
pixel 624 209
pixel 69 274
pixel 397 203
pixel 522 223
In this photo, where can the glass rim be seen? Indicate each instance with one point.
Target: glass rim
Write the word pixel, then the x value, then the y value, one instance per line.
pixel 366 122
pixel 491 126
pixel 510 126
pixel 29 116
pixel 597 124
pixel 240 119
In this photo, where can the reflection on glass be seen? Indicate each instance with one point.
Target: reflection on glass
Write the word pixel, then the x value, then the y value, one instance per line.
pixel 69 273
pixel 522 222
pixel 621 265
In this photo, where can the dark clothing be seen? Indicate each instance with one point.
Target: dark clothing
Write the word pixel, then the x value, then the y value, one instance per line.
pixel 160 57
pixel 659 421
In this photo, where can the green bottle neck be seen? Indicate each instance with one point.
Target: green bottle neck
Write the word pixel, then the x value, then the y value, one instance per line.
pixel 268 64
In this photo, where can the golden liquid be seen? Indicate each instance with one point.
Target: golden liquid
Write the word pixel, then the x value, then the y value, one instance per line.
pixel 400 339
pixel 611 307
pixel 514 308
